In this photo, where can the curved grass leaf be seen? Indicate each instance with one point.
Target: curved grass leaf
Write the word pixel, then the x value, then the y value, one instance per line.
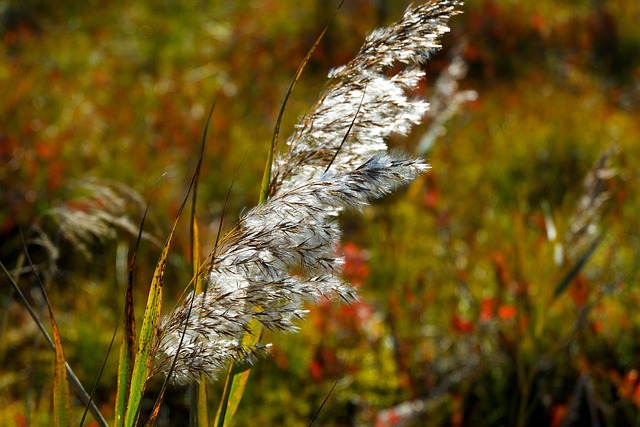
pixel 61 402
pixel 128 347
pixel 61 405
pixel 150 320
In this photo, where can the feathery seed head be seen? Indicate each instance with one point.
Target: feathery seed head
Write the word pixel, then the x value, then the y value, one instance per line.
pixel 284 252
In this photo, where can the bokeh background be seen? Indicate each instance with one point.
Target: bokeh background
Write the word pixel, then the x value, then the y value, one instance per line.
pixel 500 289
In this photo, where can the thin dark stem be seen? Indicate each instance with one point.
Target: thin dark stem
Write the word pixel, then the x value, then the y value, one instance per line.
pixel 323 403
pixel 348 131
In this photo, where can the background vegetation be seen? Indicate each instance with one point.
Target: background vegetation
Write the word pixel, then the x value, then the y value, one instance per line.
pixel 465 316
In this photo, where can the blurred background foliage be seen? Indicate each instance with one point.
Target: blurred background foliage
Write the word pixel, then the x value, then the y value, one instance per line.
pixel 473 311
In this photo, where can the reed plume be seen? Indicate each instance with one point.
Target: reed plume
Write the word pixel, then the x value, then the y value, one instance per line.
pixel 285 252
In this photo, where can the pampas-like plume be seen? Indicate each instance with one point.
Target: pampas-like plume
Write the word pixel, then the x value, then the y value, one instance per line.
pixel 284 252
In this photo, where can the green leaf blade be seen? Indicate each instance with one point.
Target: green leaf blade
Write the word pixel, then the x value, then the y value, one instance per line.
pixel 143 359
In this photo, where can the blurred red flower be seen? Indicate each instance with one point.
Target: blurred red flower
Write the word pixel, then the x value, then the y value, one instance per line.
pixel 507 312
pixel 460 324
pixel 489 307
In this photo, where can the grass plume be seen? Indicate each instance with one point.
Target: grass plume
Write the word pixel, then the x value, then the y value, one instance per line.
pixel 284 253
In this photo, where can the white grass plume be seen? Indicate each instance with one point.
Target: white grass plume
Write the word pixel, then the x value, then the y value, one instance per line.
pixel 284 252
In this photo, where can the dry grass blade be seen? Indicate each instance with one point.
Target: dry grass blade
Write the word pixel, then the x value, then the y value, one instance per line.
pixel 61 404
